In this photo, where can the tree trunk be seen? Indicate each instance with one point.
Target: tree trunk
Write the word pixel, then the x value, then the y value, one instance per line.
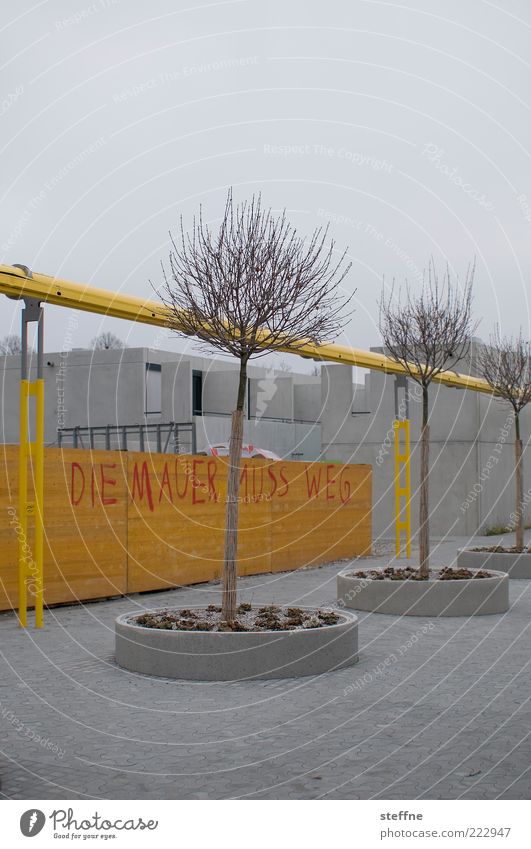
pixel 228 602
pixel 519 481
pixel 424 518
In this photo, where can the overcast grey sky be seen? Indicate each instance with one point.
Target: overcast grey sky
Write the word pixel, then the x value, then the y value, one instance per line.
pixel 407 125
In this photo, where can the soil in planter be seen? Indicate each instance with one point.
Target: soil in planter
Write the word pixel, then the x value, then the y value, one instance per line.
pixel 502 549
pixel 269 618
pixel 447 573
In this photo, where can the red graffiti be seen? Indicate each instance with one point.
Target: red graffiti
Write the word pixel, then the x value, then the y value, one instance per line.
pixel 100 483
pixel 77 472
pixel 313 481
pixel 142 482
pixel 109 482
pixel 194 479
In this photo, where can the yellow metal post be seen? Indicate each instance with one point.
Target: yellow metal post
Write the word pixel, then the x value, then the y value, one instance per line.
pixel 31 563
pixel 402 485
pixel 38 466
pixel 23 547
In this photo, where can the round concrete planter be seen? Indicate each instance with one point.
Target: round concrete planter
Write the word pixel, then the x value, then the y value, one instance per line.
pixel 425 598
pixel 514 564
pixel 235 656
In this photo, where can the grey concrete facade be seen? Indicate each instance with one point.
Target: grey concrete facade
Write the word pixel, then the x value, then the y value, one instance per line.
pixel 471 450
pixel 138 385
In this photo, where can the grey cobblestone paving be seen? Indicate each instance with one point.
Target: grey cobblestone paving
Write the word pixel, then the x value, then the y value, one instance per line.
pixel 449 718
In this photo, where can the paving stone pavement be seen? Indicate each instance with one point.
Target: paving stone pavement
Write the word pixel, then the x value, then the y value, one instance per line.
pixel 449 717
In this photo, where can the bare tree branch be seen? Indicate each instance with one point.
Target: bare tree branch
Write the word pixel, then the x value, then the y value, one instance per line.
pixel 505 363
pixel 10 344
pixel 254 286
pixel 106 341
pixel 429 333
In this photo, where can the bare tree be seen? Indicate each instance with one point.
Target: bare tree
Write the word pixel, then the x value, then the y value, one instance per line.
pixel 252 287
pixel 107 341
pixel 10 345
pixel 428 334
pixel 285 367
pixel 505 363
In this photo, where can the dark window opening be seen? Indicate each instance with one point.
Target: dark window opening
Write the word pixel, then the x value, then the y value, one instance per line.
pixel 197 393
pixel 153 399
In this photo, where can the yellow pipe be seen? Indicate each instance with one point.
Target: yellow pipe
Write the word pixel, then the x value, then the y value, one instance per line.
pixel 16 284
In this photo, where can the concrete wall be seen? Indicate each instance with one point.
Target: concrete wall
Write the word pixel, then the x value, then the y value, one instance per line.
pixel 177 392
pixel 307 401
pixel 289 441
pixel 271 396
pixel 220 391
pixel 97 388
pixel 471 451
pixel 82 388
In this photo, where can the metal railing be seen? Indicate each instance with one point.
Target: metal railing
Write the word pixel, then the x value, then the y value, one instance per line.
pixel 167 437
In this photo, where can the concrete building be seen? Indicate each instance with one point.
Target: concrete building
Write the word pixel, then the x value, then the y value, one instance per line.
pixel 471 449
pixel 135 386
pixel 299 417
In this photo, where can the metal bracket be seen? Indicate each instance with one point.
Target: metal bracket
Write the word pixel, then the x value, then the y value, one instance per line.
pixel 401 383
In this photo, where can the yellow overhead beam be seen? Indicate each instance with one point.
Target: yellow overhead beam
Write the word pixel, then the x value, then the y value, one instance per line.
pixel 16 283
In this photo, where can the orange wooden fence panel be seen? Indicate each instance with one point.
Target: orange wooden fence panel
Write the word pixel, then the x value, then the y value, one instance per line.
pixel 119 522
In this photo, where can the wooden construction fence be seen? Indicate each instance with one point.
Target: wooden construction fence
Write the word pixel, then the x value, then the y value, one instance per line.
pixel 119 522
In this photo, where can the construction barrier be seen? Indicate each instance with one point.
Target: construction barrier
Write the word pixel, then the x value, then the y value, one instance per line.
pixel 122 522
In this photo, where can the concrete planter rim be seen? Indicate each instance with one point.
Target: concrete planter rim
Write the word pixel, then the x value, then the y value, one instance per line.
pixel 429 598
pixel 235 655
pixel 125 619
pixel 516 564
pixel 487 550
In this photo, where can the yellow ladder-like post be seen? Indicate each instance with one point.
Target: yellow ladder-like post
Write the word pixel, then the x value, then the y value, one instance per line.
pixel 402 485
pixel 30 562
